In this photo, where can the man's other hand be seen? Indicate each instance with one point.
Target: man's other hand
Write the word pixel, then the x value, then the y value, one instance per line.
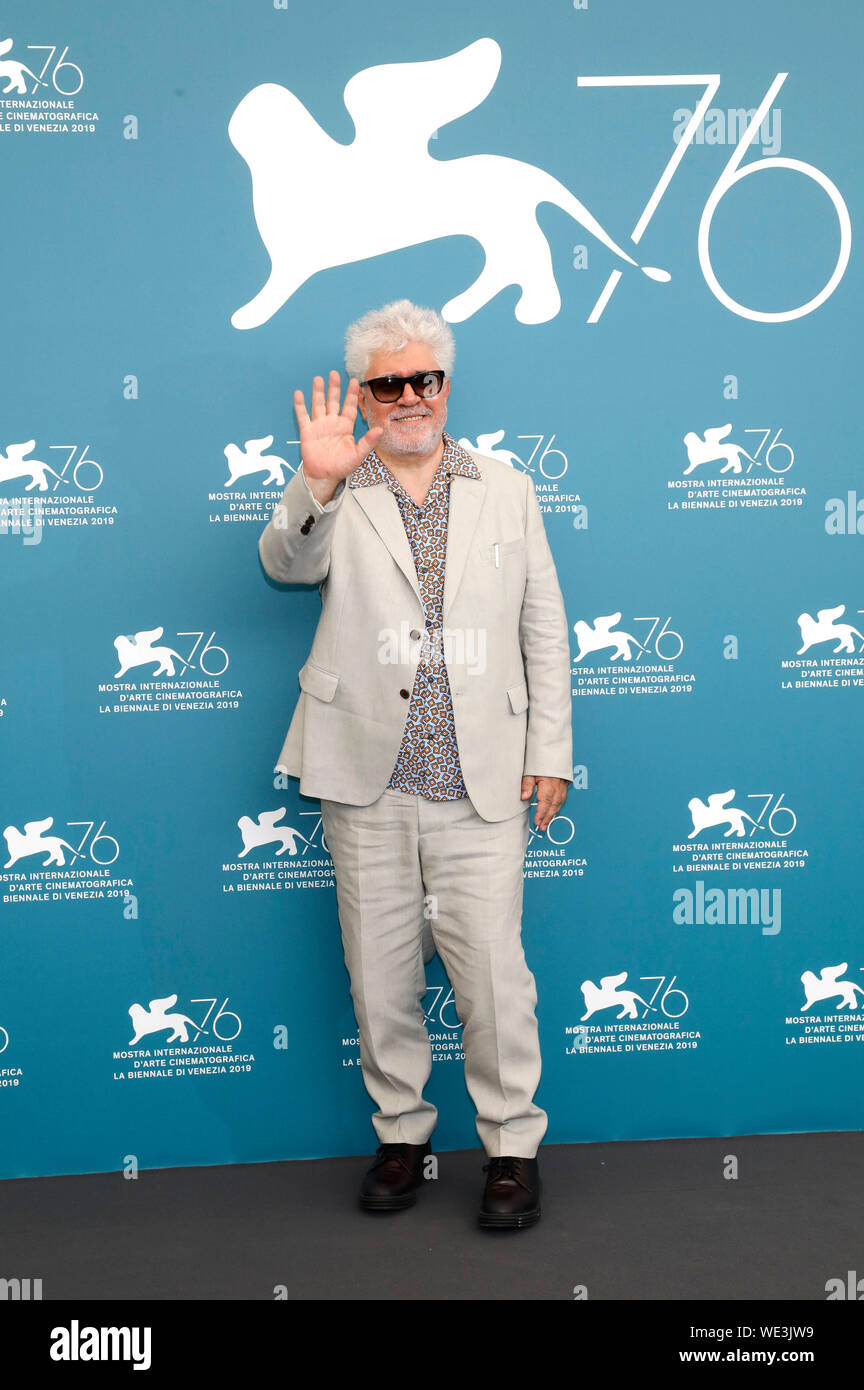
pixel 551 795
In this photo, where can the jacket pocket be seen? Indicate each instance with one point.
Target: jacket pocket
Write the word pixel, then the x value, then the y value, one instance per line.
pixel 518 697
pixel 318 682
pixel 505 550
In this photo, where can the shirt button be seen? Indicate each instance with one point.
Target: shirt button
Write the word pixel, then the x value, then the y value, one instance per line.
pixel 404 694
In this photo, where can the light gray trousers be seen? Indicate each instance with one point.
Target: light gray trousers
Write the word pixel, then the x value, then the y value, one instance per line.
pixel 394 859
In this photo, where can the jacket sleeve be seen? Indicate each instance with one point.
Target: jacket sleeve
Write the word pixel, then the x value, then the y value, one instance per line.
pixel 295 544
pixel 544 637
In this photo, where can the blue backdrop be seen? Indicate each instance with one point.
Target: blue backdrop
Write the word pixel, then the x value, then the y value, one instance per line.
pixel 173 987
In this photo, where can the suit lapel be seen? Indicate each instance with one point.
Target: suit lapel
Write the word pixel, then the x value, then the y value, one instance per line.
pixel 382 509
pixel 466 499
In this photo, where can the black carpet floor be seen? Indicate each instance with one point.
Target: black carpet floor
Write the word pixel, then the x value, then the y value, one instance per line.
pixel 638 1221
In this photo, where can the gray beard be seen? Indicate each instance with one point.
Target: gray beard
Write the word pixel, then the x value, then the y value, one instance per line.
pixel 423 442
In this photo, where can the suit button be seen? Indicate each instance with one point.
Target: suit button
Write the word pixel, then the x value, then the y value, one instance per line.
pixel 405 694
pixel 310 521
pixel 414 634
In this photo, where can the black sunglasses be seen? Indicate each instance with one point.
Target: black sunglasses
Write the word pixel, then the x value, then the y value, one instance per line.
pixel 388 389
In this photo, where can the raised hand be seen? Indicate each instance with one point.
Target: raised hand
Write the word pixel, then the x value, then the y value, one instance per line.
pixel 327 439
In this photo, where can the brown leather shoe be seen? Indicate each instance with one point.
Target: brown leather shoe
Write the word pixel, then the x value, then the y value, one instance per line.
pixel 396 1173
pixel 512 1194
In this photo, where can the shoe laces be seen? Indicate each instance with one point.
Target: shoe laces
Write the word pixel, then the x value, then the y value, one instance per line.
pixel 504 1167
pixel 390 1153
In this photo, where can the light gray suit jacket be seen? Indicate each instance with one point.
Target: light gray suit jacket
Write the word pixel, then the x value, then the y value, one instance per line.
pixel 506 639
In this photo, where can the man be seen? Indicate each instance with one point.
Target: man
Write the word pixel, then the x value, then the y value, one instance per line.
pixel 434 703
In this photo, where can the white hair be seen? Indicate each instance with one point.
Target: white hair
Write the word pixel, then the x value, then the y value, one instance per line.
pixel 390 328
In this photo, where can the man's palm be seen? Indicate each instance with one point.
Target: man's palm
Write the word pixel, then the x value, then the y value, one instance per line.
pixel 327 441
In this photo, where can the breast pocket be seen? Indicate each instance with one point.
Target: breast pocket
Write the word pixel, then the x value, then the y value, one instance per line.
pixel 507 552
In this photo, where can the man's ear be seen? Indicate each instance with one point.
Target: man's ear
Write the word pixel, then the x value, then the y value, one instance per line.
pixel 360 404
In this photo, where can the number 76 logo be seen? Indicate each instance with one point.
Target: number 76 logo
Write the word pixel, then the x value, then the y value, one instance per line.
pixel 731 175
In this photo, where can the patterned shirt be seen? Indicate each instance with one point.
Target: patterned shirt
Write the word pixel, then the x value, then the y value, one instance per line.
pixel 428 759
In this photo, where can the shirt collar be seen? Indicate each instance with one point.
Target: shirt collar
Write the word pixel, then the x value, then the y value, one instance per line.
pixel 455 459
